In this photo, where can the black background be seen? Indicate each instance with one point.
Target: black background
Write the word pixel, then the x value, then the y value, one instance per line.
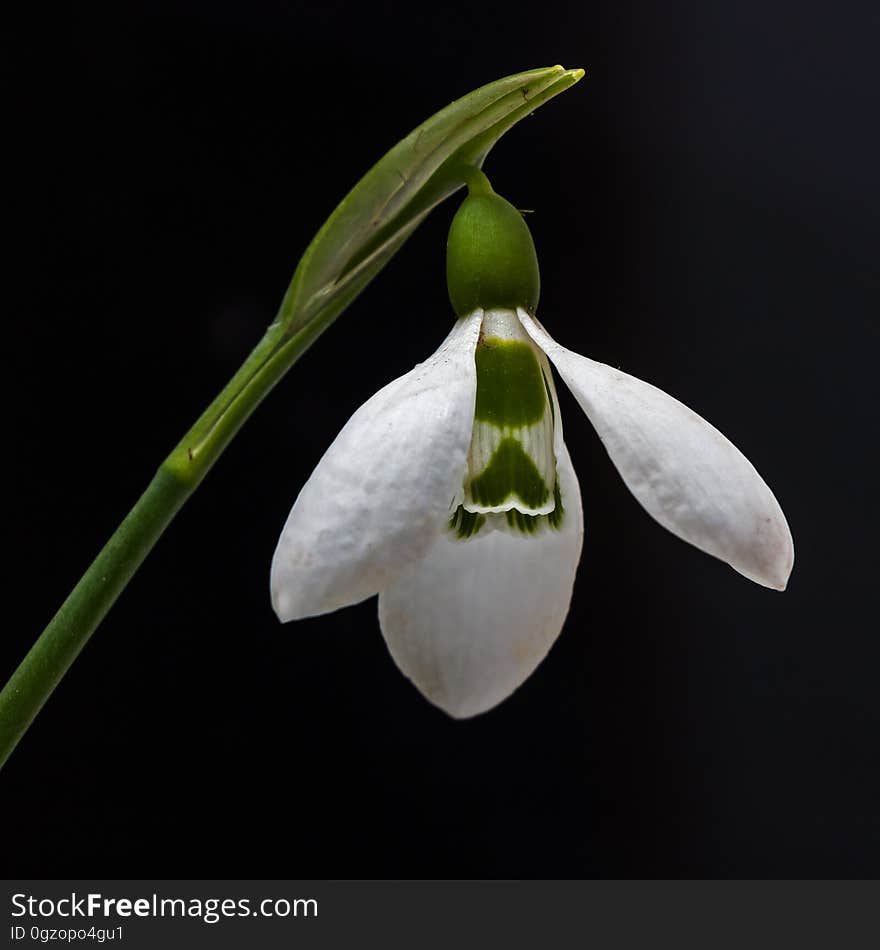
pixel 707 218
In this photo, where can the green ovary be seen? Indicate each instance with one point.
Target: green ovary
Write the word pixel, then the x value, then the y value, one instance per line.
pixel 510 472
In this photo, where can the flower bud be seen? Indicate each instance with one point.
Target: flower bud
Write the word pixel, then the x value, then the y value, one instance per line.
pixel 490 256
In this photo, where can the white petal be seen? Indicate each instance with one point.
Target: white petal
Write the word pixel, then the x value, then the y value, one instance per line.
pixel 382 491
pixel 470 622
pixel 683 471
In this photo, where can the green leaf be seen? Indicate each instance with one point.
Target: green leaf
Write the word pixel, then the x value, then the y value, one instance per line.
pixel 392 199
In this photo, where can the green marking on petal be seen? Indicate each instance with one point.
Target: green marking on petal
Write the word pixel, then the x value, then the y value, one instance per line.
pixel 511 462
pixel 531 524
pixel 555 518
pixel 511 391
pixel 549 395
pixel 466 524
pixel 509 472
pixel 524 524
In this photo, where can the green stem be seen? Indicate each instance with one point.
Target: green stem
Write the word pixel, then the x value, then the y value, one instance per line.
pixel 177 478
pixel 477 182
pixel 69 630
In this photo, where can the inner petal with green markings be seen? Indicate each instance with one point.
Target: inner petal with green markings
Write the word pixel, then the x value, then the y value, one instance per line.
pixel 511 478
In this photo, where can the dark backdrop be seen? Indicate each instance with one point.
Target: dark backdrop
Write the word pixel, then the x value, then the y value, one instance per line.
pixel 706 213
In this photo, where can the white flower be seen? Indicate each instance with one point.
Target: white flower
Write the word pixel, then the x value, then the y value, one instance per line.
pixel 451 494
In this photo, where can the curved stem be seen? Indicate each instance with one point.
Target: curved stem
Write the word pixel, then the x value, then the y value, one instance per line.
pixel 177 478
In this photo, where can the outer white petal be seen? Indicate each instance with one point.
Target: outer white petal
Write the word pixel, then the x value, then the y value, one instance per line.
pixel 470 622
pixel 382 491
pixel 683 471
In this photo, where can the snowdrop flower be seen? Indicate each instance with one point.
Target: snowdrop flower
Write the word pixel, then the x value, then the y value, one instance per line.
pixel 451 493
